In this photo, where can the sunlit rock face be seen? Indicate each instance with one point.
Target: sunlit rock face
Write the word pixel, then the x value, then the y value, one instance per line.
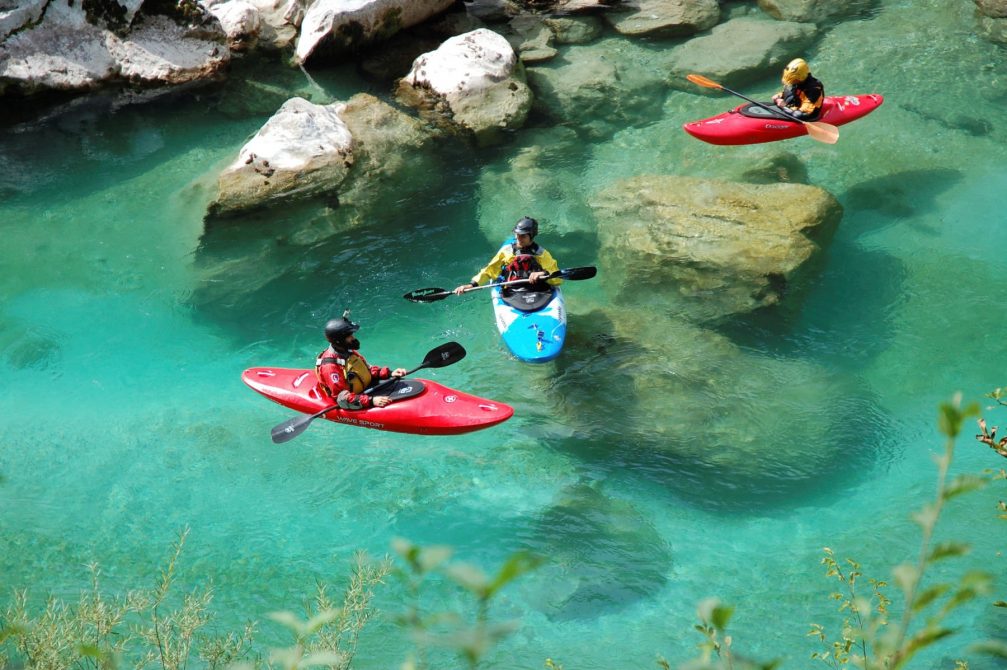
pixel 717 247
pixel 72 50
pixel 344 152
pixel 304 149
pixel 334 27
pixel 664 18
pixel 473 83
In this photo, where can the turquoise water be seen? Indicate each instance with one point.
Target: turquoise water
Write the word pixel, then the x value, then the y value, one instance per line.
pixel 655 463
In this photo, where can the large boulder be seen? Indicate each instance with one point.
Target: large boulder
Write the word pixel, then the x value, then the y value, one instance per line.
pixel 814 11
pixel 349 153
pixel 303 150
pixel 67 52
pixel 392 155
pixel 241 22
pixel 473 83
pixel 602 87
pixel 713 248
pixel 665 18
pixel 575 29
pixel 739 51
pixel 333 27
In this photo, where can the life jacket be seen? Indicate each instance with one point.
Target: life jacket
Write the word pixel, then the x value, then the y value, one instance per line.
pixel 805 97
pixel 523 264
pixel 335 373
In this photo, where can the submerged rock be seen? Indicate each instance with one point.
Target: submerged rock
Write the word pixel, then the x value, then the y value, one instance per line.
pixel 604 555
pixel 718 247
pixel 473 83
pixel 666 18
pixel 602 87
pixel 335 27
pixel 689 410
pixel 814 11
pixel 739 51
pixel 575 29
pixel 992 8
pixel 544 170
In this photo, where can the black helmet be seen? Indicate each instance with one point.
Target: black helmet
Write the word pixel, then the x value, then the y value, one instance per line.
pixel 336 330
pixel 526 226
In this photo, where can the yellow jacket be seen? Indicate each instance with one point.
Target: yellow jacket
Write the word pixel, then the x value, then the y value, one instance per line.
pixel 506 254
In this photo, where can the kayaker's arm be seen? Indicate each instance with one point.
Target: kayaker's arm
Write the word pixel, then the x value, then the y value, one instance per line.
pixel 549 265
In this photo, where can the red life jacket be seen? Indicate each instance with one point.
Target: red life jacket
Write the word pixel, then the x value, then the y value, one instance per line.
pixel 522 265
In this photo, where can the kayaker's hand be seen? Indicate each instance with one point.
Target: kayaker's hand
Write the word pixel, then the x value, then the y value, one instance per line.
pixel 461 289
pixel 380 401
pixel 536 277
pixel 399 372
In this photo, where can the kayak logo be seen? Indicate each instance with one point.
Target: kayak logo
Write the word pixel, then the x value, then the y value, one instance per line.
pixel 776 126
pixel 404 389
pixel 450 398
pixel 850 100
pixel 489 408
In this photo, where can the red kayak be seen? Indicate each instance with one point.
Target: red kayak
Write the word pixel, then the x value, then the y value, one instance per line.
pixel 425 407
pixel 751 124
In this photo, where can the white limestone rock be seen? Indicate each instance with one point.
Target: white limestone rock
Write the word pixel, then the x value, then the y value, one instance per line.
pixel 337 26
pixel 304 149
pixel 64 52
pixel 241 22
pixel 474 82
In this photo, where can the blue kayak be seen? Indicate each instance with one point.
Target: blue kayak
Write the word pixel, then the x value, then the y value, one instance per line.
pixel 532 323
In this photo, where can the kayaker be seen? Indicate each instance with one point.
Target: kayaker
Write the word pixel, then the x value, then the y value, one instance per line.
pixel 802 94
pixel 342 372
pixel 521 259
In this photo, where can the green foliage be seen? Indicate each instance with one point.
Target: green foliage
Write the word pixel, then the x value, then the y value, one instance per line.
pixel 867 639
pixel 141 630
pixel 471 641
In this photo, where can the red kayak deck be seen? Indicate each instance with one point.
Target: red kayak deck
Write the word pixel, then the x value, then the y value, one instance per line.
pixel 437 410
pixel 733 127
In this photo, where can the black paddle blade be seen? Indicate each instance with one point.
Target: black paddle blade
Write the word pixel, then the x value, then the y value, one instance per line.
pixel 577 273
pixel 448 353
pixel 427 295
pixel 291 428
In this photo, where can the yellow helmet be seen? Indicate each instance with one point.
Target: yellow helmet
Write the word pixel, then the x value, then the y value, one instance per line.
pixel 796 71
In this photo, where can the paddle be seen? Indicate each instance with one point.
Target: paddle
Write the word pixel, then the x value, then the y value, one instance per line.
pixel 823 132
pixel 435 294
pixel 439 357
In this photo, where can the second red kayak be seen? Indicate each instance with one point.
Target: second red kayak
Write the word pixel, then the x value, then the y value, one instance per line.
pixel 751 124
pixel 430 409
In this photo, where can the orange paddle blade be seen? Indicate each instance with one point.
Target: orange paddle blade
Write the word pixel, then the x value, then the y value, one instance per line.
pixel 702 81
pixel 823 132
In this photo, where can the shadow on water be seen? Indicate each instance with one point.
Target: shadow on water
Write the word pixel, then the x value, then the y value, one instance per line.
pixel 895 197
